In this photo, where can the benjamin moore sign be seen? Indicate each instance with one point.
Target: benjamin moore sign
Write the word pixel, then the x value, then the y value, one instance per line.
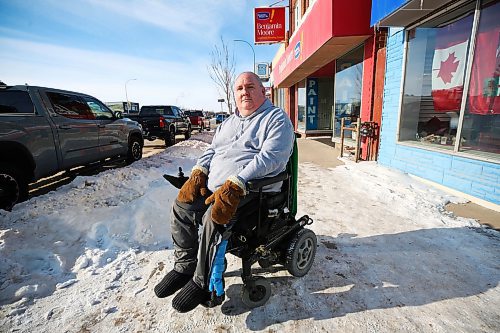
pixel 269 25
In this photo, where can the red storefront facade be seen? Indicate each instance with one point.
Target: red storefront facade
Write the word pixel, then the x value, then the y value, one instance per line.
pixel 331 68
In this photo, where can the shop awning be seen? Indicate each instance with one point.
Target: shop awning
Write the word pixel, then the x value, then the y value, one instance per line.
pixel 400 13
pixel 329 30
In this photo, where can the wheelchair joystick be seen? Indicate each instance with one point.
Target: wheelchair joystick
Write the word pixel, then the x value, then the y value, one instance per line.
pixel 180 174
pixel 176 181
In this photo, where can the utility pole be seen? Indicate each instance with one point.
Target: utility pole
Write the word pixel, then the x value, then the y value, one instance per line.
pixel 244 41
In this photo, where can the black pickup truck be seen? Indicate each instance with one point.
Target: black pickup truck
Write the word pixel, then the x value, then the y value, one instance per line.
pixel 163 122
pixel 44 131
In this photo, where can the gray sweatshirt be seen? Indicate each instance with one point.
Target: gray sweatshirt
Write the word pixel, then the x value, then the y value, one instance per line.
pixel 250 147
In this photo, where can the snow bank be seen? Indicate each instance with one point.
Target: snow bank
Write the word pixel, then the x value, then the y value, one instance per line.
pixel 88 223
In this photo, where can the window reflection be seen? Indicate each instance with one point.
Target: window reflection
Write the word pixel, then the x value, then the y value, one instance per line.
pixel 481 125
pixel 348 87
pixel 435 75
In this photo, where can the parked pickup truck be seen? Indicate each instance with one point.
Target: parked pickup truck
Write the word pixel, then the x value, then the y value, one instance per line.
pixel 44 131
pixel 197 119
pixel 163 122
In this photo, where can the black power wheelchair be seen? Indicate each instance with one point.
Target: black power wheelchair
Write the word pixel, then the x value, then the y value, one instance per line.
pixel 268 233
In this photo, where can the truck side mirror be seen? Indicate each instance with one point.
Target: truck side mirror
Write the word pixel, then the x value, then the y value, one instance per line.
pixel 118 115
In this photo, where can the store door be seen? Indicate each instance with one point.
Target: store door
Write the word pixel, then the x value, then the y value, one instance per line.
pixel 325 103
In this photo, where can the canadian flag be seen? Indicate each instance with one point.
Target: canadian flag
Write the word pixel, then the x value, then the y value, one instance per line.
pixel 484 91
pixel 448 67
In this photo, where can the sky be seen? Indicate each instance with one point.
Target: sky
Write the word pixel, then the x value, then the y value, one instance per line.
pixel 389 257
pixel 98 47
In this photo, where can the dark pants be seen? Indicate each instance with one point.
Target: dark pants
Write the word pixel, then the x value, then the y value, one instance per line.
pixel 195 253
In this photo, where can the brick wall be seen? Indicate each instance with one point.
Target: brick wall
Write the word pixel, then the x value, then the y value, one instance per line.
pixel 477 178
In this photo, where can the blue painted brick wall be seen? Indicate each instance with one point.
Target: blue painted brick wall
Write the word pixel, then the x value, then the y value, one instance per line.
pixel 477 178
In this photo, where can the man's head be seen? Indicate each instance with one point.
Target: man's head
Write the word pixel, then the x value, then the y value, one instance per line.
pixel 249 93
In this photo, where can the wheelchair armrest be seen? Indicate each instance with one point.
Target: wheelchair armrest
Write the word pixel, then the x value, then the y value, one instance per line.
pixel 256 184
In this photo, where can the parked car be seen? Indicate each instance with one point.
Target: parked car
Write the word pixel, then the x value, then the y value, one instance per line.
pixel 220 117
pixel 197 119
pixel 163 122
pixel 209 122
pixel 44 131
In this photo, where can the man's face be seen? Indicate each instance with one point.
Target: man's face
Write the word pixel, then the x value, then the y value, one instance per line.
pixel 249 93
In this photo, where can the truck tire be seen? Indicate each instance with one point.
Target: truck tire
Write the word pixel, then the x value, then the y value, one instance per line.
pixel 187 135
pixel 170 137
pixel 134 150
pixel 13 186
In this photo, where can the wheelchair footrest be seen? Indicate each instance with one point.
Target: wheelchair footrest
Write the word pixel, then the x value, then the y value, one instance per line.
pixel 305 220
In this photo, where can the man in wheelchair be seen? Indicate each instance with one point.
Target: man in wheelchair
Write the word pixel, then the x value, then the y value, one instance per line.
pixel 233 209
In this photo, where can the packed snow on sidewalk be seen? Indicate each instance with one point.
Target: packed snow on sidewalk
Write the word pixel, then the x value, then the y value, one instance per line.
pixel 85 258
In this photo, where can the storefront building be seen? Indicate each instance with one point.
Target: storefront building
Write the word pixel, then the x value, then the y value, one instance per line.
pixel 441 104
pixel 328 68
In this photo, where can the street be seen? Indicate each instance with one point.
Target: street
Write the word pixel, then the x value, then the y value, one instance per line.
pixel 49 184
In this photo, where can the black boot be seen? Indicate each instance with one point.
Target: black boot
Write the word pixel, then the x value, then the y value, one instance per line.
pixel 172 282
pixel 190 297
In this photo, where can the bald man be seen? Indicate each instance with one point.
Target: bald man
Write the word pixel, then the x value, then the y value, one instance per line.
pixel 255 142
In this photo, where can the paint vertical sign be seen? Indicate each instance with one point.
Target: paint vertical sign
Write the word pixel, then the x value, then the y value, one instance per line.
pixel 312 104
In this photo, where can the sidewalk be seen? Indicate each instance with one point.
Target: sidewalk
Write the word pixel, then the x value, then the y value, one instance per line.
pixel 320 151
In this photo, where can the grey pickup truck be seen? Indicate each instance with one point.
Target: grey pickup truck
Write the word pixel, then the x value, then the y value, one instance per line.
pixel 44 131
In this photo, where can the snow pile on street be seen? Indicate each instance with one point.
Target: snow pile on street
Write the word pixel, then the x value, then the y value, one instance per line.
pixel 86 257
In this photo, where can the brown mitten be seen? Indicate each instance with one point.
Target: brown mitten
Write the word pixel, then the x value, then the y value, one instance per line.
pixel 225 200
pixel 194 186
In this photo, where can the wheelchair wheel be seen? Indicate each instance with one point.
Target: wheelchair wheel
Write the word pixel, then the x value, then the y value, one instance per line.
pixel 257 295
pixel 300 253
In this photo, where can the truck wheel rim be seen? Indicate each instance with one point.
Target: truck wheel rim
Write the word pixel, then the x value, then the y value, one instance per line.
pixel 136 150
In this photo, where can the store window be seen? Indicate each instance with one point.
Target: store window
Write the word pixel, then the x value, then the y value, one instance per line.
pixel 435 76
pixel 301 106
pixel 281 99
pixel 298 13
pixel 348 88
pixel 481 123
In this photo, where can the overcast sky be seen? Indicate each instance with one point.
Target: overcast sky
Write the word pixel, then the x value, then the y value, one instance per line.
pixel 95 47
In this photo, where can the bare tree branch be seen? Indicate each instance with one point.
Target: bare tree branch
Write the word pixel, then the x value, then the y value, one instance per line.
pixel 221 71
